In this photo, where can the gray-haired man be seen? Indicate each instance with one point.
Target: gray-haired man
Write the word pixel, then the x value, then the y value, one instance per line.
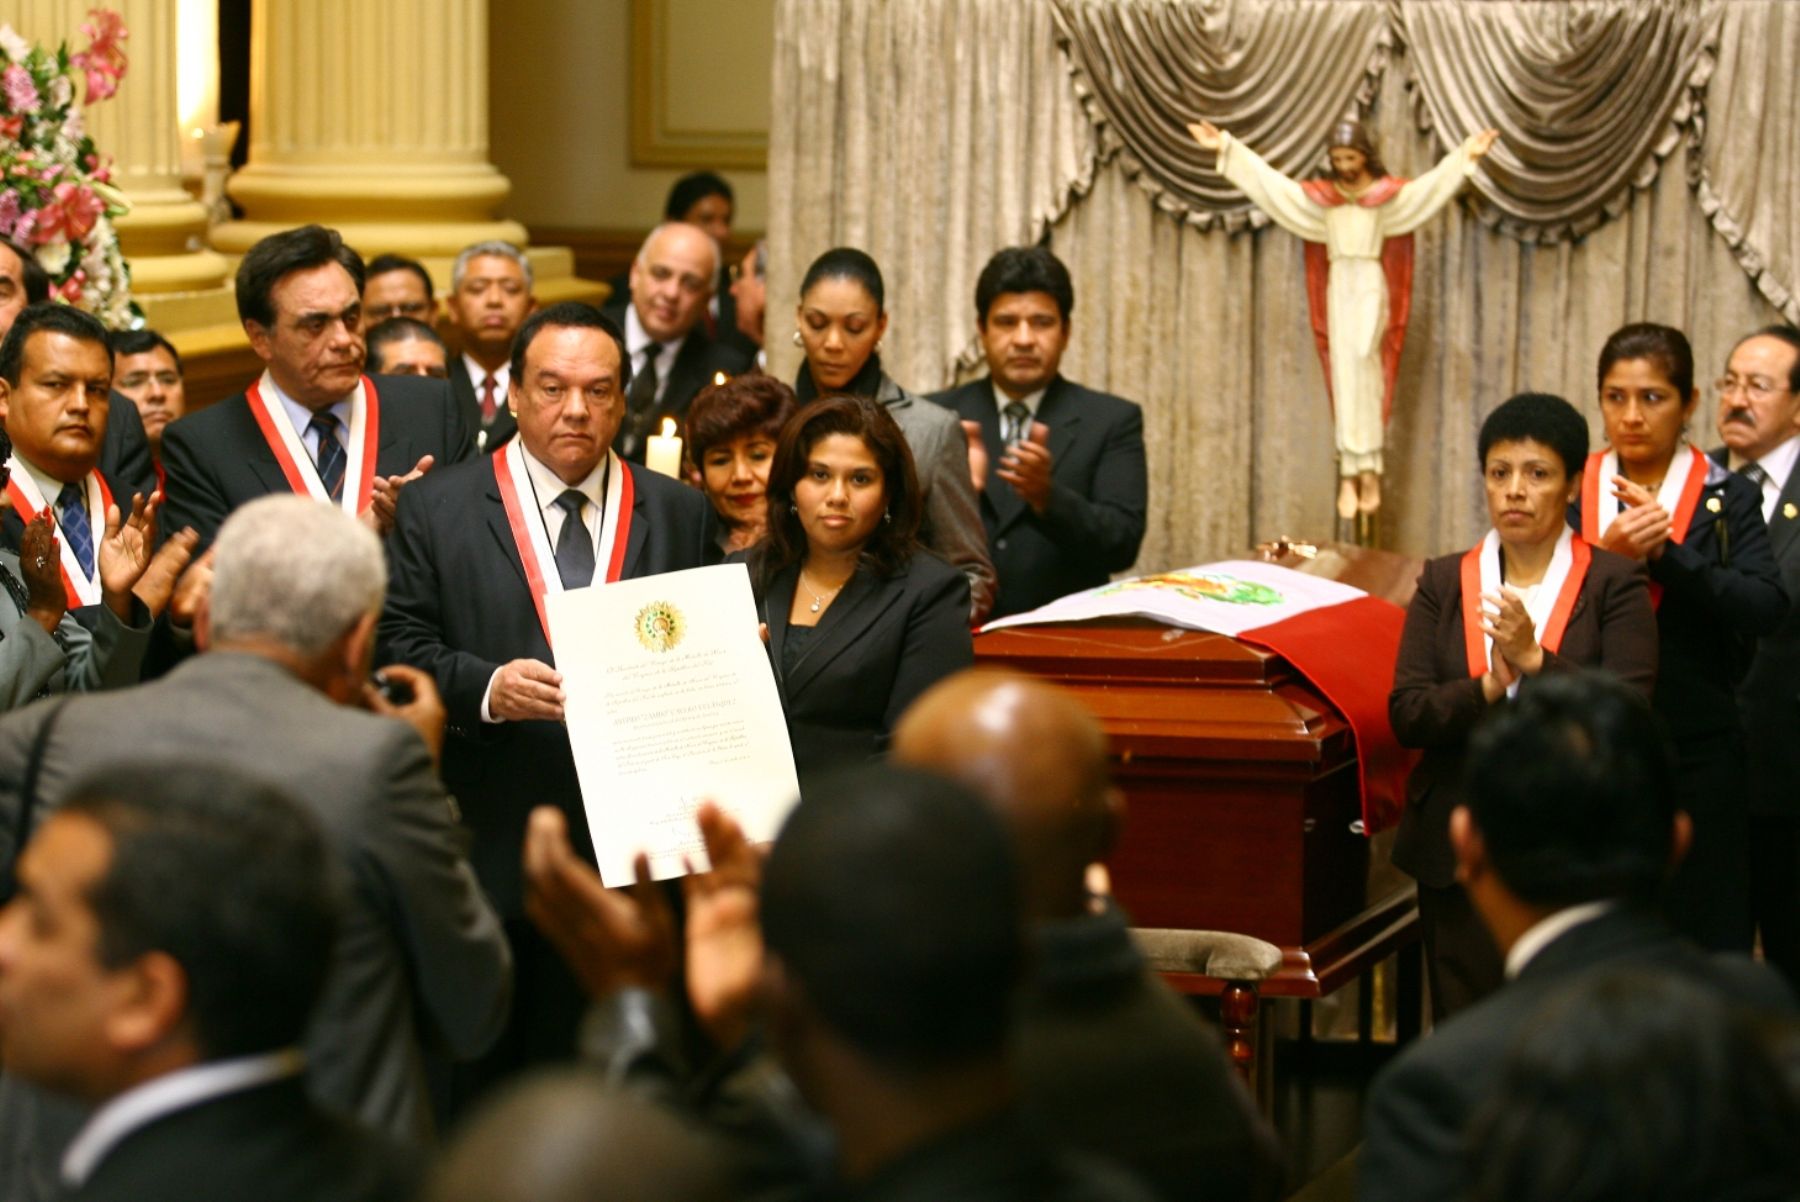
pixel 281 694
pixel 490 297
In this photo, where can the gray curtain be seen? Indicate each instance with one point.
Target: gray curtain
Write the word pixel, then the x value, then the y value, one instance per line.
pixel 934 132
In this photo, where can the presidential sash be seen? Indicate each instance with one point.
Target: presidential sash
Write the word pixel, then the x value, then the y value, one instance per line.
pixel 28 502
pixel 1549 607
pixel 290 452
pixel 531 538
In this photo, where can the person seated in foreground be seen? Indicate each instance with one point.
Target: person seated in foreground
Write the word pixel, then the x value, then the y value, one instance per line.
pixel 172 930
pixel 401 346
pixel 732 428
pixel 861 619
pixel 1567 831
pixel 1640 1084
pixel 1110 1059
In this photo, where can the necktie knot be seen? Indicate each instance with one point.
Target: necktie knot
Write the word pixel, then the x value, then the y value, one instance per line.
pixel 571 501
pixel 1754 472
pixel 1017 415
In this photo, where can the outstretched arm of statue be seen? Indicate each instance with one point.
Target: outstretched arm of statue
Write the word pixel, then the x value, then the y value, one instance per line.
pixel 1419 200
pixel 1283 199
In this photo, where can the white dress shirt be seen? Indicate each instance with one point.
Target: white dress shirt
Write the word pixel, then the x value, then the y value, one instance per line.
pixel 300 415
pixel 1031 403
pixel 502 380
pixel 548 486
pixel 1545 932
pixel 1777 466
pixel 183 1089
pixel 636 339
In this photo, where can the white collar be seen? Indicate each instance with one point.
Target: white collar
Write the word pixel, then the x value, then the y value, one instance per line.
pixel 301 416
pixel 1031 402
pixel 477 373
pixel 1546 931
pixel 548 486
pixel 182 1089
pixel 1777 464
pixel 637 338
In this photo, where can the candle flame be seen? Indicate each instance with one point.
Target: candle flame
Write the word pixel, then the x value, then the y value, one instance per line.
pixel 668 429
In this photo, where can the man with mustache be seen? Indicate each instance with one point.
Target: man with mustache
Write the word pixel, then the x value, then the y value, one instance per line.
pixel 663 317
pixel 314 423
pixel 1063 497
pixel 1759 419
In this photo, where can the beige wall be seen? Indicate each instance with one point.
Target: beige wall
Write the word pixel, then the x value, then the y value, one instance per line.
pixel 560 95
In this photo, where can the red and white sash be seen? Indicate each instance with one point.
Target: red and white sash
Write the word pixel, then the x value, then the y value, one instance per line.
pixel 290 452
pixel 1679 494
pixel 1549 607
pixel 28 501
pixel 531 538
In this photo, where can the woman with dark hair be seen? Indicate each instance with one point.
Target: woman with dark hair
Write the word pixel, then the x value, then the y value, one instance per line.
pixel 861 619
pixel 1532 597
pixel 1657 498
pixel 731 430
pixel 839 325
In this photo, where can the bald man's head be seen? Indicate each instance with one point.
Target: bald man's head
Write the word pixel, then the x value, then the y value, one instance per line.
pixel 1036 754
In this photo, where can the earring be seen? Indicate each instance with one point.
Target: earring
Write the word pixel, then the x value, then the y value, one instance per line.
pixel 888 516
pixel 798 341
pixel 794 509
pixel 878 346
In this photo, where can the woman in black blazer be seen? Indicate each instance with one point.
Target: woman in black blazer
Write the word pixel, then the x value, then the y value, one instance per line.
pixel 1654 496
pixel 861 619
pixel 1531 598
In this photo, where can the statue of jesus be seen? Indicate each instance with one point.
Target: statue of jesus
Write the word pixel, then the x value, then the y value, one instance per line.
pixel 1358 228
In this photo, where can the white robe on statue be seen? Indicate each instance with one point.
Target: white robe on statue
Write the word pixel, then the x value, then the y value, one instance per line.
pixel 1356 310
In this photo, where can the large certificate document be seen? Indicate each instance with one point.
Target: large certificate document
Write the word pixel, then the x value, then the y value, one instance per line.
pixel 671 702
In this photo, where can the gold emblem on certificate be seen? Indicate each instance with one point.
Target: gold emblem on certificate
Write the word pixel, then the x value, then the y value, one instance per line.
pixel 659 626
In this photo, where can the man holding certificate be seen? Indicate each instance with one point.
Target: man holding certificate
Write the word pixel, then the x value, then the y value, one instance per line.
pixel 477 550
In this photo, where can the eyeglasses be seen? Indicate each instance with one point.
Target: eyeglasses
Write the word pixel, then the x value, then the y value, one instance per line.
pixel 415 309
pixel 1754 388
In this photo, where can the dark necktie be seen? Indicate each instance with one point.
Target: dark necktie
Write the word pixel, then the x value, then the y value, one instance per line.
pixel 640 401
pixel 1018 418
pixel 330 456
pixel 72 516
pixel 488 407
pixel 574 548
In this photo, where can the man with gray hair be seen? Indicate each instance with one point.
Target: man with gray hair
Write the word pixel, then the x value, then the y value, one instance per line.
pixel 672 355
pixel 490 297
pixel 282 693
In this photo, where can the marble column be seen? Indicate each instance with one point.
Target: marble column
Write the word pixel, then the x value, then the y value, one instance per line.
pixel 371 118
pixel 163 236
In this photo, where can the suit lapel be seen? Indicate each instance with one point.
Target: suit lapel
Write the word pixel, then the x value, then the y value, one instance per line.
pixel 640 528
pixel 776 603
pixel 1784 523
pixel 495 511
pixel 857 608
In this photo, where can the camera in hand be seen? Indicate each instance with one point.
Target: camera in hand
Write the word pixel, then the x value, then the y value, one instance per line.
pixel 393 690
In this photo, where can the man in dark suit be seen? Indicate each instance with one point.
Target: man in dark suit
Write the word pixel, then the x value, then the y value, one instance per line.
pixel 279 694
pixel 1759 423
pixel 490 297
pixel 1110 1060
pixel 663 318
pixel 309 423
pixel 1064 485
pixel 172 931
pixel 475 551
pixel 1569 829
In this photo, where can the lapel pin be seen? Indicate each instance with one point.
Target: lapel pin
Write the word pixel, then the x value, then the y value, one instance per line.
pixel 1714 505
pixel 1789 511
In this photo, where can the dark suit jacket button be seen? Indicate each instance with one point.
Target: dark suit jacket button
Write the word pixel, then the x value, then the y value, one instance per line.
pixel 1000 544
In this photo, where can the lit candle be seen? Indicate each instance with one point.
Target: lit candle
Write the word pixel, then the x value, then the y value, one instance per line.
pixel 662 452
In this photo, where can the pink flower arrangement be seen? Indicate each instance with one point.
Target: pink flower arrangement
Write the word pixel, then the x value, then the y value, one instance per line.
pixel 55 197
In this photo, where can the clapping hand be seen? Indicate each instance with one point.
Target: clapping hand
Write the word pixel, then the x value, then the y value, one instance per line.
pixel 384 496
pixel 1505 619
pixel 978 455
pixel 40 561
pixel 167 571
pixel 1642 527
pixel 125 551
pixel 1026 466
pixel 1479 144
pixel 1207 134
pixel 724 939
pixel 612 939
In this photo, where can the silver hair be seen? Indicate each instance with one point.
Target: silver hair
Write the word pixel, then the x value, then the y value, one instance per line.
pixel 504 250
pixel 294 570
pixel 718 255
